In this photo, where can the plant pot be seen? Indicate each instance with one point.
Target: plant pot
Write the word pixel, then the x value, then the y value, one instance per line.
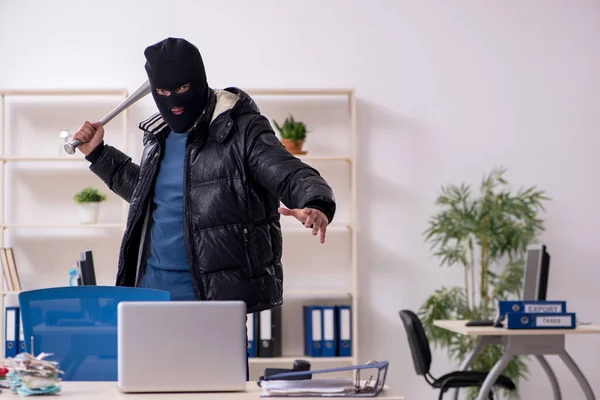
pixel 88 212
pixel 293 146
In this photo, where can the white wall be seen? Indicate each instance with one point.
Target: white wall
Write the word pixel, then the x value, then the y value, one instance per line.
pixel 447 90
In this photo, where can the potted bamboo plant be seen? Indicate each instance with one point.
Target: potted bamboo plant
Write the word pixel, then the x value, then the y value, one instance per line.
pixel 89 200
pixel 293 134
pixel 487 236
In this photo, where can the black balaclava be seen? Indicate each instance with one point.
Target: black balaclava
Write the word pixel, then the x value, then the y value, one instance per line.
pixel 171 63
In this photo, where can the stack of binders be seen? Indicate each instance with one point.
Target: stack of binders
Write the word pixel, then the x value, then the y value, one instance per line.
pixel 536 314
pixel 264 333
pixel 327 331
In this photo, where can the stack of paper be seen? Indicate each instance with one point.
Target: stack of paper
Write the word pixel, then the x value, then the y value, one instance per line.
pixel 314 387
pixel 29 375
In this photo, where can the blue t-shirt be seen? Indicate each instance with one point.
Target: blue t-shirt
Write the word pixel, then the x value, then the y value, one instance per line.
pixel 167 266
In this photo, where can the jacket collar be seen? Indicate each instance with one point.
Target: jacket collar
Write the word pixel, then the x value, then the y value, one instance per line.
pixel 153 124
pixel 221 102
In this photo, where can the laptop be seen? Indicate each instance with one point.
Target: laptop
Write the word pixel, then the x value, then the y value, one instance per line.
pixel 181 346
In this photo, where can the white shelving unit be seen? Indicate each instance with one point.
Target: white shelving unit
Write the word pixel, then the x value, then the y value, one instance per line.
pixel 313 272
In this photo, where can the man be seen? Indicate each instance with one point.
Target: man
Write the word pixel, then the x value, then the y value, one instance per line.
pixel 204 210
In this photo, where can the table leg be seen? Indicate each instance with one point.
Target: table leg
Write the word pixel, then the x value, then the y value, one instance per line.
pixel 551 376
pixel 493 375
pixel 589 394
pixel 470 359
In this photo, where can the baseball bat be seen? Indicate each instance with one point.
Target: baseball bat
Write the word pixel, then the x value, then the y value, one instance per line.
pixel 139 93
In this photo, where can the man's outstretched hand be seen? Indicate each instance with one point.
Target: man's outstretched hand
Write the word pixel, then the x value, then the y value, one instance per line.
pixel 311 218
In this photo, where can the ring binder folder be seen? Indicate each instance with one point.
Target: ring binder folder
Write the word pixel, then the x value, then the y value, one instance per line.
pixel 540 321
pixel 344 331
pixel 268 342
pixel 11 331
pixel 251 324
pixel 313 331
pixel 329 338
pixel 530 306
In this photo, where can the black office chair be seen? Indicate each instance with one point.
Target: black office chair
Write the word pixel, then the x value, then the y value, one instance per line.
pixel 421 354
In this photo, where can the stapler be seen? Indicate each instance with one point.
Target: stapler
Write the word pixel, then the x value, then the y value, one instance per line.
pixel 299 365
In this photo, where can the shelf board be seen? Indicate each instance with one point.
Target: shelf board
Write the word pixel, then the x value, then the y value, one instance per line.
pixel 299 293
pixel 324 158
pixel 291 359
pixel 57 226
pixel 81 158
pixel 42 158
pixel 123 91
pixel 333 293
pixel 299 91
pixel 4 293
pixel 287 227
pixel 120 92
pixel 63 92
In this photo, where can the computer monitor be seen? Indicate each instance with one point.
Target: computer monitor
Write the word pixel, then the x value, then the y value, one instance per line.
pixel 535 276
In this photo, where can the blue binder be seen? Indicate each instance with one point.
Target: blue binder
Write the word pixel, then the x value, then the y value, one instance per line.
pixel 329 332
pixel 344 331
pixel 530 306
pixel 313 331
pixel 251 324
pixel 540 320
pixel 11 331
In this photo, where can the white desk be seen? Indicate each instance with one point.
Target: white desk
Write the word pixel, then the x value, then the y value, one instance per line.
pixel 536 342
pixel 108 391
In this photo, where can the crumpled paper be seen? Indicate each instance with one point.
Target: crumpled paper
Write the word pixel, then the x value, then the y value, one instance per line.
pixel 28 375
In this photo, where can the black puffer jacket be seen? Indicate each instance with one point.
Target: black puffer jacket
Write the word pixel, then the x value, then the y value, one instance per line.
pixel 237 172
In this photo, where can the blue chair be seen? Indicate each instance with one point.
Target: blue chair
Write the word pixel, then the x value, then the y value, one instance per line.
pixel 78 326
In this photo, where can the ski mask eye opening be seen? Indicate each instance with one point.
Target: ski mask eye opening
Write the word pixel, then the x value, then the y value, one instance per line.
pixel 182 89
pixel 178 90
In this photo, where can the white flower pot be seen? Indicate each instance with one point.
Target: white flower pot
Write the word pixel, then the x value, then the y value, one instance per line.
pixel 88 212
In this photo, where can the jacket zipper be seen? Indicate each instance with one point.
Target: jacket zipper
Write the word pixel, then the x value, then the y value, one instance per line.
pixel 187 233
pixel 247 250
pixel 140 212
pixel 146 213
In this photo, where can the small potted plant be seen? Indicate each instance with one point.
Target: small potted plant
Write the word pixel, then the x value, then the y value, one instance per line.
pixel 293 134
pixel 89 200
